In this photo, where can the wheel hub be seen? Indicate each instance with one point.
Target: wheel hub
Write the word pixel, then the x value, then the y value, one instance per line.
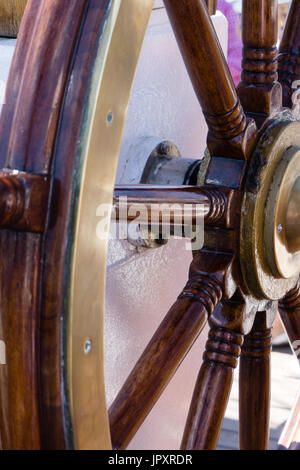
pixel 270 224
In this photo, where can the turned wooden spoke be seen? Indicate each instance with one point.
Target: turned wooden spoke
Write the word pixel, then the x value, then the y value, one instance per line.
pixel 289 309
pixel 254 387
pixel 212 388
pixel 167 349
pixel 259 91
pixel 212 6
pixel 23 201
pixel 289 53
pixel 176 204
pixel 290 437
pixel 211 79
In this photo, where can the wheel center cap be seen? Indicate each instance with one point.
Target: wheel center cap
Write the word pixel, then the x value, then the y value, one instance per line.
pixel 282 225
pixel 270 220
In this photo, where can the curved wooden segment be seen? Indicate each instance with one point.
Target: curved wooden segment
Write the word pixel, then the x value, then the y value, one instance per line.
pixel 53 32
pixel 290 437
pixel 64 422
pixel 289 53
pixel 167 348
pixel 289 309
pixel 29 119
pixel 259 91
pixel 254 387
pixel 212 390
pixel 28 126
pixel 211 78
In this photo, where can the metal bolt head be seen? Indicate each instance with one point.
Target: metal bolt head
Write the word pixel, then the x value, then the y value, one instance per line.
pixel 87 346
pixel 109 117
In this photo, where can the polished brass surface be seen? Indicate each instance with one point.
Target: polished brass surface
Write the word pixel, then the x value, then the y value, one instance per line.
pixel 293 219
pixel 269 237
pixel 282 227
pixel 101 139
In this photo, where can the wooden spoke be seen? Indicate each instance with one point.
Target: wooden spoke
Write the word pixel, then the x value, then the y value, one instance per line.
pixel 211 79
pixel 289 309
pixel 212 6
pixel 254 385
pixel 178 205
pixel 290 437
pixel 259 90
pixel 167 349
pixel 212 388
pixel 289 53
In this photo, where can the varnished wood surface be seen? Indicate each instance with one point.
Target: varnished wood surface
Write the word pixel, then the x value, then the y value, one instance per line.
pixel 19 391
pixel 212 390
pixel 284 389
pixel 28 127
pixel 56 430
pixel 166 350
pixel 11 13
pixel 24 200
pixel 211 78
pixel 255 387
pixel 219 206
pixel 289 53
pixel 259 91
pixel 42 118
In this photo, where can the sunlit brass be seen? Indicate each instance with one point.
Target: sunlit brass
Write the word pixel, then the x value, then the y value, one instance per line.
pixel 270 260
pixel 100 142
pixel 293 218
pixel 282 228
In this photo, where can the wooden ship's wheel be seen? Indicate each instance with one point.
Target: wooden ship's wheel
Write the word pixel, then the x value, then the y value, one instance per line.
pixel 61 129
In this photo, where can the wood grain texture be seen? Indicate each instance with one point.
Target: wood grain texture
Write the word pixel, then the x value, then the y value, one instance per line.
pixel 167 349
pixel 23 201
pixel 289 53
pixel 55 421
pixel 211 78
pixel 259 91
pixel 254 387
pixel 35 106
pixel 11 13
pixel 19 391
pixel 212 390
pixel 28 128
pixel 218 206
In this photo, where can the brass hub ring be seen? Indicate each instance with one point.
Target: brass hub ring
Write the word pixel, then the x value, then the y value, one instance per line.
pixel 270 238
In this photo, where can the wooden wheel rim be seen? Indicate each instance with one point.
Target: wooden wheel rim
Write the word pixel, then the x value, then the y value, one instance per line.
pixel 56 410
pixel 65 383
